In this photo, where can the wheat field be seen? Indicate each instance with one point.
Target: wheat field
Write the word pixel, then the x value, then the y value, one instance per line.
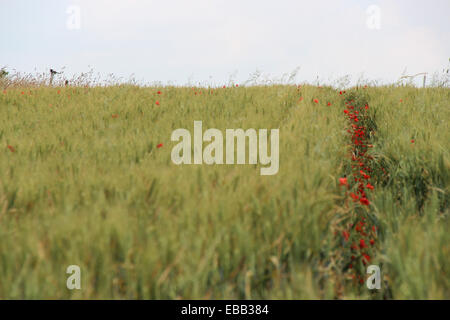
pixel 86 178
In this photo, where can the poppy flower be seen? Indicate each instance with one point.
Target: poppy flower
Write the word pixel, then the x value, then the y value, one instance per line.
pixel 316 101
pixel 159 145
pixel 362 244
pixel 364 175
pixel 346 235
pixel 369 186
pixel 366 258
pixel 114 116
pixel 329 104
pixel 157 103
pixel 372 242
pixel 159 92
pixel 343 182
pixel 364 201
pixel 412 140
pixel 354 196
pixel 11 148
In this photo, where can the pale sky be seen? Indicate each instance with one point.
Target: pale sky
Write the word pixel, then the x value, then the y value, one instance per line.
pixel 209 41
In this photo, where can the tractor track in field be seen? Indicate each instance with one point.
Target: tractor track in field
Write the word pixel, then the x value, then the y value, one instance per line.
pixel 357 228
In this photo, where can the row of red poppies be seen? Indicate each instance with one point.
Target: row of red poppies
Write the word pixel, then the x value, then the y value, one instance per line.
pixel 360 235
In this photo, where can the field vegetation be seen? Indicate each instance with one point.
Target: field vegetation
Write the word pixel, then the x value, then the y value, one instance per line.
pixel 86 179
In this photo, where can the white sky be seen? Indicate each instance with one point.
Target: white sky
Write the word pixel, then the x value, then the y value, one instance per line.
pixel 208 41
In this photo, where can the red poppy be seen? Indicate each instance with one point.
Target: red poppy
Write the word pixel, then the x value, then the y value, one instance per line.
pixel 372 241
pixel 11 148
pixel 369 186
pixel 316 101
pixel 354 196
pixel 329 104
pixel 364 175
pixel 159 92
pixel 362 244
pixel 343 182
pixel 366 258
pixel 157 103
pixel 159 145
pixel 412 140
pixel 346 235
pixel 364 201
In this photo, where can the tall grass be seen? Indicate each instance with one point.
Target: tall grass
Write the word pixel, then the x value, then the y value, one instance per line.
pixel 413 204
pixel 86 185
